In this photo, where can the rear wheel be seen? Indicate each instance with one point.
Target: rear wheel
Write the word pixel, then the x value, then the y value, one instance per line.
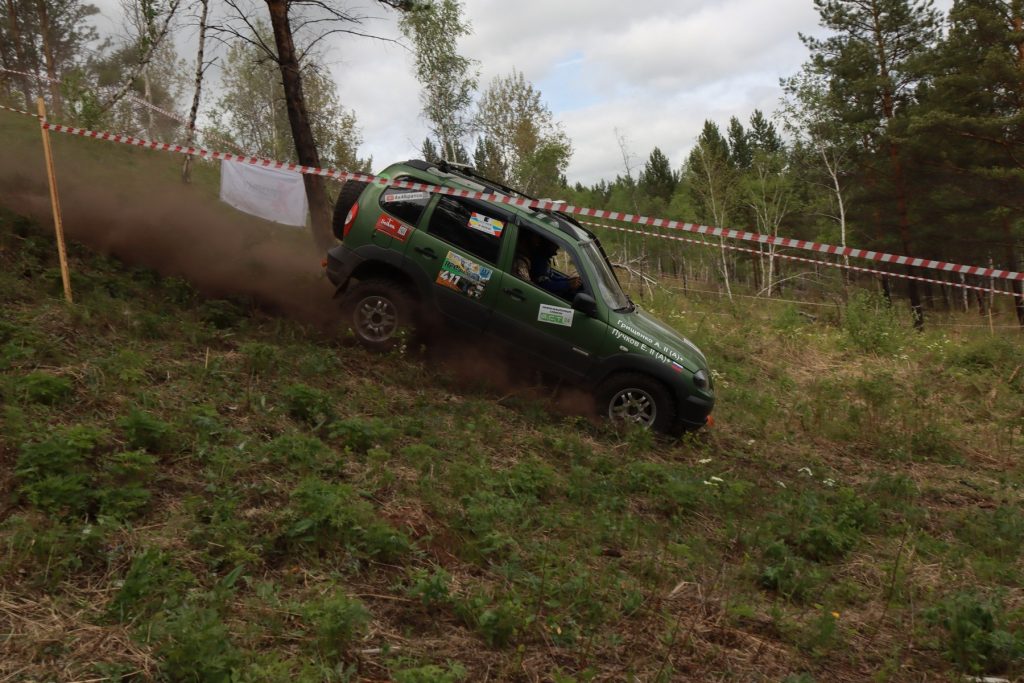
pixel 347 198
pixel 381 313
pixel 634 398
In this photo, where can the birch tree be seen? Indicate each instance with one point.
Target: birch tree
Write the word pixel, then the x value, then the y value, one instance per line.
pixel 448 79
pixel 713 182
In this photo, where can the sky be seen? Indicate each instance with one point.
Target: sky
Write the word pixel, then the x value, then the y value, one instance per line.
pixel 646 72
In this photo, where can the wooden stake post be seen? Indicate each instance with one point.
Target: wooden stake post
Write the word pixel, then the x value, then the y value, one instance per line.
pixel 58 225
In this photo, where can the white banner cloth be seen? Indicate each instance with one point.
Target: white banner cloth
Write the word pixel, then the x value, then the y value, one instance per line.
pixel 275 194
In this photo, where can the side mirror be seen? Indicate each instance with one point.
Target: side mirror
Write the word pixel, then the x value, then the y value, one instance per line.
pixel 584 303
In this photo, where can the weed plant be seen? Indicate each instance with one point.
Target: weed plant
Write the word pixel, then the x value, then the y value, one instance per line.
pixel 219 494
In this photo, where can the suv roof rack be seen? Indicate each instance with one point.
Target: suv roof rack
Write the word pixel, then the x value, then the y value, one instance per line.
pixel 467 171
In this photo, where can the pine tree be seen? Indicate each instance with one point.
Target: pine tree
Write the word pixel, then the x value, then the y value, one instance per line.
pixel 970 131
pixel 873 58
pixel 762 135
pixel 657 179
pixel 740 152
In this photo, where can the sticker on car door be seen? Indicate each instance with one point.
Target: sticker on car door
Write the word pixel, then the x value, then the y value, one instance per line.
pixel 555 315
pixel 464 276
pixel 392 227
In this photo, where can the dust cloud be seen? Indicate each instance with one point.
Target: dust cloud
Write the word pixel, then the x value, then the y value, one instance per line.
pixel 184 231
pixel 176 230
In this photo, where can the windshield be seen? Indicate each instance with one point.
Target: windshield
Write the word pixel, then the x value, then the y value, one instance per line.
pixel 606 284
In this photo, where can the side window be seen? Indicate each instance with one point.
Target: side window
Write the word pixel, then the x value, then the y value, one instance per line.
pixel 405 205
pixel 539 261
pixel 473 226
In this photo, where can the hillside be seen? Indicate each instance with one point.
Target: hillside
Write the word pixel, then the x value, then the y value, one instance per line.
pixel 200 479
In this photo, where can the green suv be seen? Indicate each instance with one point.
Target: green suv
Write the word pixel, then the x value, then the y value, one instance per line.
pixel 533 280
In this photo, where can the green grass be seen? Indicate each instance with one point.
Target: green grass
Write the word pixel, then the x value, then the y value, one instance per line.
pixel 196 489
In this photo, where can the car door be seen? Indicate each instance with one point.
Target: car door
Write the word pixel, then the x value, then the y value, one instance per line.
pixel 544 327
pixel 457 252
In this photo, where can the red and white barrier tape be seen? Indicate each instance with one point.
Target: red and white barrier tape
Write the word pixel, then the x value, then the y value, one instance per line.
pixel 556 206
pixel 133 98
pixel 19 111
pixel 817 262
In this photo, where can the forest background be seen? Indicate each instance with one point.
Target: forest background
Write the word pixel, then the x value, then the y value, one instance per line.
pixel 902 132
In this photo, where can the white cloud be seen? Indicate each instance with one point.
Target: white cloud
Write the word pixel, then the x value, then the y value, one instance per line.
pixel 654 70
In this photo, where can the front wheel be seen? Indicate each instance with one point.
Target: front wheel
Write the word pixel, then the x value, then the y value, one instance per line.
pixel 381 313
pixel 634 398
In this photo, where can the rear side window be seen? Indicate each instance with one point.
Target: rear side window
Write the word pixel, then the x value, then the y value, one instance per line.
pixel 406 205
pixel 470 225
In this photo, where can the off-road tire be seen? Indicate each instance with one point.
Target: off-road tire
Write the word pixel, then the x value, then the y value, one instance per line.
pixel 348 196
pixel 381 314
pixel 632 397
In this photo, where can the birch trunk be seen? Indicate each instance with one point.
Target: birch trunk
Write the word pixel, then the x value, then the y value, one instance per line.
pixel 190 133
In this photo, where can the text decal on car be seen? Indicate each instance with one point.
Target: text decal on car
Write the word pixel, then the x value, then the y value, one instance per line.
pixel 392 227
pixel 464 276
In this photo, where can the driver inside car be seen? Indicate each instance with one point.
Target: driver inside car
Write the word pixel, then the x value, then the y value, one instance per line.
pixel 533 264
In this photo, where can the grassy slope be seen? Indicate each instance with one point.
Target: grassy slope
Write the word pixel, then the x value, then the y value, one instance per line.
pixel 192 486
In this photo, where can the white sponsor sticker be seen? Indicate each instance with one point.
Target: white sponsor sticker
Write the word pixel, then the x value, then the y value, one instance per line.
pixel 486 224
pixel 405 197
pixel 555 315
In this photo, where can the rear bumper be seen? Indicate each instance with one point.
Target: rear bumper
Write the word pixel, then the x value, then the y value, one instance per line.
pixel 341 263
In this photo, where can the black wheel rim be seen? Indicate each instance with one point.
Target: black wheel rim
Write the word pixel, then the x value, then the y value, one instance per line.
pixel 633 405
pixel 376 318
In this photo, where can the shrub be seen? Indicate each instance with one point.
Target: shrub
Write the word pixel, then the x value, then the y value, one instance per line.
pixel 147 432
pixel 122 481
pixel 975 635
pixel 297 450
pixel 324 514
pixel 42 387
pixel 999 533
pixel 826 528
pixel 49 552
pixel 259 358
pixel 55 474
pixel 993 353
pixel 431 589
pixel 195 645
pixel 361 435
pixel 309 405
pixel 338 622
pixel 500 624
pixel 151 584
pixel 871 324
pixel 222 314
pixel 933 441
pixel 431 673
pixel 788 575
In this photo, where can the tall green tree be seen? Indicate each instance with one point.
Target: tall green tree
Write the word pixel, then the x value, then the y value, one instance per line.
pixel 251 110
pixel 763 135
pixel 529 148
pixel 824 151
pixel 740 152
pixel 713 183
pixel 46 38
pixel 874 56
pixel 448 79
pixel 296 27
pixel 657 179
pixel 970 130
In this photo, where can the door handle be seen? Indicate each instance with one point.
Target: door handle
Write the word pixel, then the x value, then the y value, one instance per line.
pixel 515 293
pixel 426 251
